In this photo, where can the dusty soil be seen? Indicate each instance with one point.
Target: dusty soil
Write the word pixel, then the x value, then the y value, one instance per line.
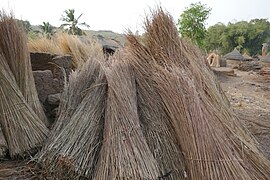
pixel 248 93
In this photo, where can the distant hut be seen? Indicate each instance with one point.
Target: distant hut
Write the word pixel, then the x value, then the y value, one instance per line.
pixel 214 60
pixel 109 45
pixel 247 57
pixel 234 58
pixel 265 61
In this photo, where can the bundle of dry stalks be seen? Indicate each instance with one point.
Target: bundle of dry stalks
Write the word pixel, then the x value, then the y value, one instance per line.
pixel 74 151
pixel 81 49
pixel 125 153
pixel 23 130
pixel 214 143
pixel 158 131
pixel 80 81
pixel 154 119
pixel 165 117
pixel 13 46
pixel 19 170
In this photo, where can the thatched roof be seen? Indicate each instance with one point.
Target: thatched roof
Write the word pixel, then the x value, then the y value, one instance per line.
pixel 108 44
pixel 234 55
pixel 247 57
pixel 266 58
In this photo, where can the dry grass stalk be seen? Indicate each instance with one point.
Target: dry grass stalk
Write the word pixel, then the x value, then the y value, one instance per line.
pixel 3 145
pixel 81 49
pixel 74 92
pixel 74 151
pixel 154 119
pixel 125 153
pixel 214 143
pixel 13 46
pixel 23 130
pixel 44 44
pixel 19 170
pixel 158 131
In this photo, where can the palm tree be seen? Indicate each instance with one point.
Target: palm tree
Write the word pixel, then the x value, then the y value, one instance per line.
pixel 72 22
pixel 47 29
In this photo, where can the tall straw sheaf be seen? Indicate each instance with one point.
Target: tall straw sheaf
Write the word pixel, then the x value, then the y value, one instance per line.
pixel 22 117
pixel 74 92
pixel 23 130
pixel 81 108
pixel 13 46
pixel 160 113
pixel 214 143
pixel 74 150
pixel 125 153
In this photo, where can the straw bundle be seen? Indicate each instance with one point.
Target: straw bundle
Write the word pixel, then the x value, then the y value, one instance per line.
pixel 13 46
pixel 74 92
pixel 158 131
pixel 214 143
pixel 125 153
pixel 155 121
pixel 23 130
pixel 74 152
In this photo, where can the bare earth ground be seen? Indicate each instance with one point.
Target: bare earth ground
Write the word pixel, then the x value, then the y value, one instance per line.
pixel 248 93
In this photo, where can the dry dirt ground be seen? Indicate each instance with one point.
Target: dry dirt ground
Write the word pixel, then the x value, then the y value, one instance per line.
pixel 248 93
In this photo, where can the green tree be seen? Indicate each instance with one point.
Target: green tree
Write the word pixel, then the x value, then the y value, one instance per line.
pixel 214 38
pixel 47 29
pixel 192 23
pixel 245 36
pixel 259 33
pixel 72 22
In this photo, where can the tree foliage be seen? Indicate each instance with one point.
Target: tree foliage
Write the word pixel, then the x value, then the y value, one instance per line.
pixel 245 36
pixel 72 22
pixel 192 23
pixel 47 29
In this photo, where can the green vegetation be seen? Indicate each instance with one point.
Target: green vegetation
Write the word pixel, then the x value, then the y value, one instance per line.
pixel 247 37
pixel 47 29
pixel 72 22
pixel 192 23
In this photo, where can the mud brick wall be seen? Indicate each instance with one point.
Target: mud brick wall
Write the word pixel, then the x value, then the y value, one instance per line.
pixel 50 72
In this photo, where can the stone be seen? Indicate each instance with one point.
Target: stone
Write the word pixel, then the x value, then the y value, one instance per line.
pixel 45 84
pixel 63 61
pixel 54 99
pixel 41 61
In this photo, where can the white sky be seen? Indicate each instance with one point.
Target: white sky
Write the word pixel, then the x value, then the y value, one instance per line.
pixel 119 15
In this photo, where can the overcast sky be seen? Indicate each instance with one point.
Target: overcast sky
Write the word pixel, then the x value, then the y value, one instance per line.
pixel 119 15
